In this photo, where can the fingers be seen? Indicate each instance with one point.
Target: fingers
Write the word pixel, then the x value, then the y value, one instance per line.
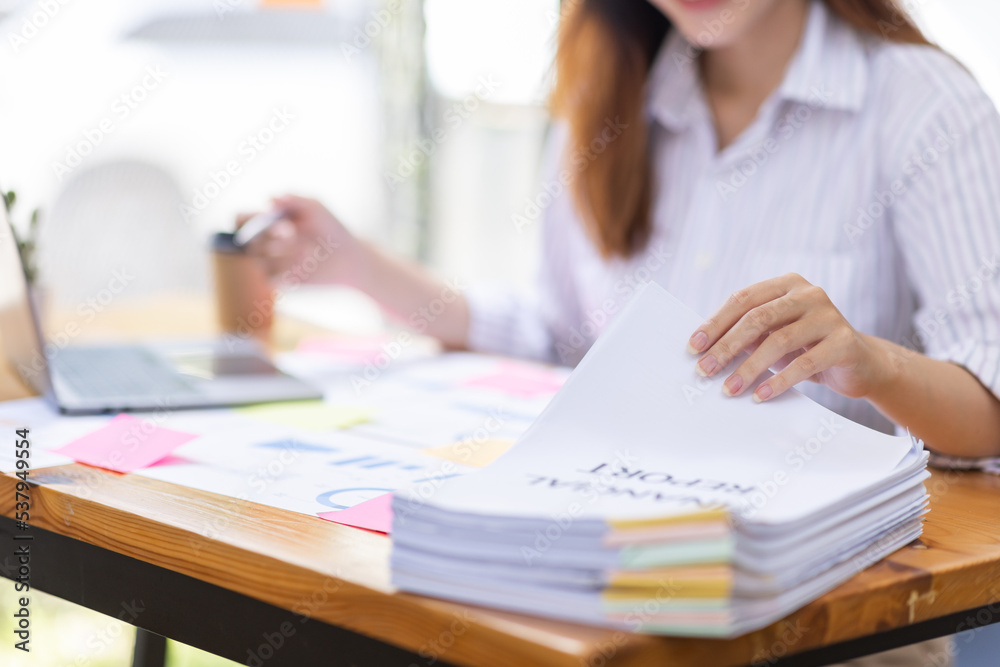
pixel 750 328
pixel 306 230
pixel 295 207
pixel 293 201
pixel 241 218
pixel 737 305
pixel 780 364
pixel 752 347
pixel 816 360
pixel 277 241
pixel 280 246
pixel 275 248
pixel 282 230
pixel 786 324
pixel 774 348
pixel 275 256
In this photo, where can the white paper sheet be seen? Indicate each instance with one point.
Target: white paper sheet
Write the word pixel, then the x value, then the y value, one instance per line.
pixel 636 433
pixel 414 405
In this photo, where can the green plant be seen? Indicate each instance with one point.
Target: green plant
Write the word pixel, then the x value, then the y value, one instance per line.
pixel 28 245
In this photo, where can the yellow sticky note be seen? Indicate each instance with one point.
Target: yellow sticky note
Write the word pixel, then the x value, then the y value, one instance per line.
pixel 471 452
pixel 719 588
pixel 717 514
pixel 312 415
pixel 697 581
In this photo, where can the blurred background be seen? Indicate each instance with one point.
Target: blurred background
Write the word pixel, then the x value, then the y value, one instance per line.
pixel 139 128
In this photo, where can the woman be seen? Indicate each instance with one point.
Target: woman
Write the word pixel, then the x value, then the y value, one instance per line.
pixel 814 173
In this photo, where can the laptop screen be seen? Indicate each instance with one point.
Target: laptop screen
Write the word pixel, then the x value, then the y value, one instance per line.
pixel 18 334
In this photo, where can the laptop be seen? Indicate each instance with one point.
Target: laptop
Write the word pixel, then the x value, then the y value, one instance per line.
pixel 91 379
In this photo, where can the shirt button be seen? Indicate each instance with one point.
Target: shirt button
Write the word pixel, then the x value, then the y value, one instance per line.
pixel 704 260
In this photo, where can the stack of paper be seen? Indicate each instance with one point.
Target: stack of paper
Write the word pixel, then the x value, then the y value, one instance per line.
pixel 643 498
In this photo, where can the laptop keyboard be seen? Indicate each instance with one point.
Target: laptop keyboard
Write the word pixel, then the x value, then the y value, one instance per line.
pixel 121 371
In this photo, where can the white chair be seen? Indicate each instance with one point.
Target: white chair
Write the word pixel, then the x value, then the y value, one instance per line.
pixel 115 223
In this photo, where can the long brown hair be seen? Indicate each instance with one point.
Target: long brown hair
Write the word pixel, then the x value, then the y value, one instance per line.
pixel 604 54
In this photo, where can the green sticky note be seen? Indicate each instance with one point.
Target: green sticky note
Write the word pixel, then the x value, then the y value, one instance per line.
pixel 312 415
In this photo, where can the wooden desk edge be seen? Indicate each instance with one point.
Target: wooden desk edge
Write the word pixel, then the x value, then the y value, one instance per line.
pixel 245 564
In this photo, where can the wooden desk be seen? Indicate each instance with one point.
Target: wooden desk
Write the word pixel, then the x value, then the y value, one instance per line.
pixel 237 578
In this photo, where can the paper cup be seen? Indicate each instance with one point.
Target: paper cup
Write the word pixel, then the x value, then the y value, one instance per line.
pixel 243 295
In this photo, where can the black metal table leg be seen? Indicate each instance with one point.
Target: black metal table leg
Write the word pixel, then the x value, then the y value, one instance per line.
pixel 150 649
pixel 164 603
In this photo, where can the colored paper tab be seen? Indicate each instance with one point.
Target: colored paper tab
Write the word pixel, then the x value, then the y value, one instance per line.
pixel 171 460
pixel 347 350
pixel 374 514
pixel 517 379
pixel 471 452
pixel 124 444
pixel 311 415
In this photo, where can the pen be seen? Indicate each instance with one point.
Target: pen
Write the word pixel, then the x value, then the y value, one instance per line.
pixel 256 226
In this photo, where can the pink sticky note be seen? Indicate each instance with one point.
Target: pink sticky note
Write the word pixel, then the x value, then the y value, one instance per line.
pixel 519 380
pixel 374 514
pixel 124 444
pixel 170 460
pixel 349 350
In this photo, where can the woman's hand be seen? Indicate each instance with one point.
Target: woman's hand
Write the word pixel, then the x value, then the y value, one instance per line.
pixel 312 246
pixel 791 325
pixel 308 245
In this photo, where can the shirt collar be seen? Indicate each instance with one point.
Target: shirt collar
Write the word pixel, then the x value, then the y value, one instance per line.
pixel 674 88
pixel 829 70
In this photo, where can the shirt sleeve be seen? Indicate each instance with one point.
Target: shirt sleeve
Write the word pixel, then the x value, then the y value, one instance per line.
pixel 947 223
pixel 506 321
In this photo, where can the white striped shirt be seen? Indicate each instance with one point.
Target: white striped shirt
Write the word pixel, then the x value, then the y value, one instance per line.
pixel 873 171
